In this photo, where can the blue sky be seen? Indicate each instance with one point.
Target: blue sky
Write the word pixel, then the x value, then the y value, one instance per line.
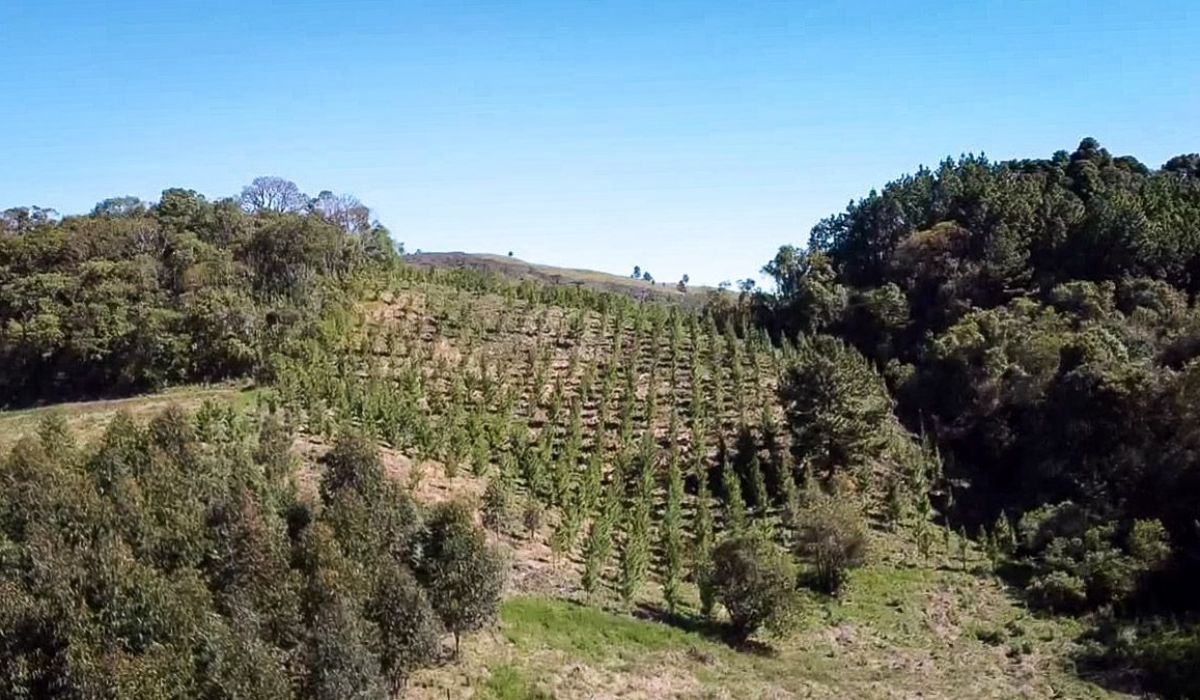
pixel 681 136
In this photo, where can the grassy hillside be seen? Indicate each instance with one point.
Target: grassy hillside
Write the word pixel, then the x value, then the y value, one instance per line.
pixel 467 381
pixel 518 269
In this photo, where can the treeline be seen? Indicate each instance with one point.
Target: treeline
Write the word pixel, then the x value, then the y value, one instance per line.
pixel 136 295
pixel 1037 320
pixel 180 560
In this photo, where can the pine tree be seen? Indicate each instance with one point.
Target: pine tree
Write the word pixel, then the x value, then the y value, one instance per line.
pixel 991 546
pixel 702 544
pixel 562 542
pixel 635 555
pixel 1005 535
pixel 735 504
pixel 895 501
pixel 793 505
pixel 531 517
pixel 671 531
pixel 598 546
pixel 923 533
pixel 495 506
pixel 758 484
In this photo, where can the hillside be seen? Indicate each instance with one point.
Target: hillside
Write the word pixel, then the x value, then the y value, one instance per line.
pixel 517 269
pixel 466 380
pixel 954 455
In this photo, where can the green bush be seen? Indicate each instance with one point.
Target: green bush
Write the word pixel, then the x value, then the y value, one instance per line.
pixel 1058 591
pixel 832 538
pixel 754 579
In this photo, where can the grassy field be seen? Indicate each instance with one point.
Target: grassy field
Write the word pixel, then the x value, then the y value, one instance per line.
pixel 516 268
pixel 88 419
pixel 899 631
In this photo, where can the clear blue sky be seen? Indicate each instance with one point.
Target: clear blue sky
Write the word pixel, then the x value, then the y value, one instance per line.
pixel 682 136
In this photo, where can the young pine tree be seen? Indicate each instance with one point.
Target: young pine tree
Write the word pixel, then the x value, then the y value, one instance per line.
pixel 635 555
pixel 735 504
pixel 596 550
pixel 758 485
pixel 702 545
pixel 496 504
pixel 671 532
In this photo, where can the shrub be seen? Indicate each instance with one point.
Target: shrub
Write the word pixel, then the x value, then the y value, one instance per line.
pixel 833 537
pixel 1058 591
pixel 753 578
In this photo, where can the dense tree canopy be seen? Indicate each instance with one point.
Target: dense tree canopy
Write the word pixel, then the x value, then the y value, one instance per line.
pixel 1037 319
pixel 135 295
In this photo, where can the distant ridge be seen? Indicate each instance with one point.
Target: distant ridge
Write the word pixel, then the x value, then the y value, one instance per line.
pixel 548 274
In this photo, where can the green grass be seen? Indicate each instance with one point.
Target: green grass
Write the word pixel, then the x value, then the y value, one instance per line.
pixel 897 631
pixel 509 683
pixel 88 419
pixel 589 633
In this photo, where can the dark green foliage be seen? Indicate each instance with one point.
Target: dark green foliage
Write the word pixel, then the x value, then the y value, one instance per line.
pixel 409 629
pixel 754 579
pixel 836 403
pixel 133 297
pixel 1080 562
pixel 353 464
pixel 157 564
pixel 337 655
pixel 464 576
pixel 1037 319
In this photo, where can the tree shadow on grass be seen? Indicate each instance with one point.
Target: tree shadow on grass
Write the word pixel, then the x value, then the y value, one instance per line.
pixel 709 629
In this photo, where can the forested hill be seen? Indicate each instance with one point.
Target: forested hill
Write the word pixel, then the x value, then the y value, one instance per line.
pixel 137 295
pixel 973 393
pixel 1038 319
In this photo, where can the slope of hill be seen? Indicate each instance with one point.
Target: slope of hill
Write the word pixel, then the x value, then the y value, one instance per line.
pixel 515 268
pixel 621 448
pixel 522 376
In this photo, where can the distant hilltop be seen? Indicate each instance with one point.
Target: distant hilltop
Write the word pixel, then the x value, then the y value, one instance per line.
pixel 548 274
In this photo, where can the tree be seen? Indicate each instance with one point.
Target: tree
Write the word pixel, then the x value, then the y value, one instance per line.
pixel 531 517
pixel 119 207
pixel 637 272
pixel 463 575
pixel 273 194
pixel 736 518
pixel 753 578
pixel 832 537
pixel 837 404
pixel 344 211
pixel 702 544
pixel 596 550
pixel 353 464
pixel 496 504
pixel 671 533
pixel 409 629
pixel 338 657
